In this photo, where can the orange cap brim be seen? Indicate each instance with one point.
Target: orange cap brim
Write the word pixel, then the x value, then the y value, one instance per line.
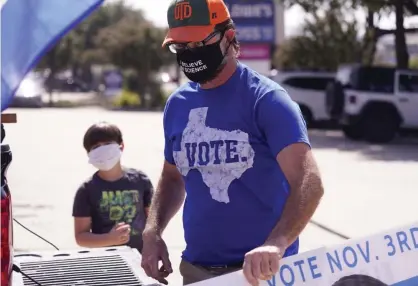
pixel 187 34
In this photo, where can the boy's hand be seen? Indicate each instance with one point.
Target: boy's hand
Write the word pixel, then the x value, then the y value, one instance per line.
pixel 119 234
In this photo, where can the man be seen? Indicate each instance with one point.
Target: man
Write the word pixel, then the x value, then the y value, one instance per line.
pixel 237 145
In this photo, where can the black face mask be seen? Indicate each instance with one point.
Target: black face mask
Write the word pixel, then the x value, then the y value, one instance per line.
pixel 201 64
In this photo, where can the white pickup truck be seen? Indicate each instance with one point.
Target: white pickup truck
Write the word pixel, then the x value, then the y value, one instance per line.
pixel 374 103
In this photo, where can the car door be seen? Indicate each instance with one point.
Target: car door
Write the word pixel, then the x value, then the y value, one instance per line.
pixel 309 91
pixel 406 91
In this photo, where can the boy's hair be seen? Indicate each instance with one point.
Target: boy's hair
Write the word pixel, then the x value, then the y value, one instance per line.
pixel 101 132
pixel 359 280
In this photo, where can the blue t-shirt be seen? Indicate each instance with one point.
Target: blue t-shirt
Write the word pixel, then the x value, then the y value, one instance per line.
pixel 224 141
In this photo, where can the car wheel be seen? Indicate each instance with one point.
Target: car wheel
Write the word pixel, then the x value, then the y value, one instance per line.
pixel 380 127
pixel 353 132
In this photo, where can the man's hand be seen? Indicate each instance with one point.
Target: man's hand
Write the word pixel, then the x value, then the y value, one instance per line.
pixel 119 234
pixel 155 250
pixel 167 200
pixel 262 263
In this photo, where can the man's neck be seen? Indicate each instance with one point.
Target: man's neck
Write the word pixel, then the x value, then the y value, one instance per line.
pixel 113 174
pixel 223 76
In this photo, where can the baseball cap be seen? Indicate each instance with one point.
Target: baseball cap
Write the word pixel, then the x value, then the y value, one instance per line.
pixel 194 20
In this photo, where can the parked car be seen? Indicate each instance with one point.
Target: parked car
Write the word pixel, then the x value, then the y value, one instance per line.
pixel 71 85
pixel 29 93
pixel 374 103
pixel 307 88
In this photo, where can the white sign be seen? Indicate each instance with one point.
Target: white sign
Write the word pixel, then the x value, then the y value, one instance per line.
pixel 389 258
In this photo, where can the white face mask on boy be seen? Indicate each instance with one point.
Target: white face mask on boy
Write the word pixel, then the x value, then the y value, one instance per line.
pixel 105 157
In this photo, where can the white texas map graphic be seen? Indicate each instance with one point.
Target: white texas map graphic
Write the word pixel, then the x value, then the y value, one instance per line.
pixel 220 156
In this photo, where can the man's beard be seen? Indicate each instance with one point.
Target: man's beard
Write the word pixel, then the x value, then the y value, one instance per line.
pixel 215 74
pixel 220 68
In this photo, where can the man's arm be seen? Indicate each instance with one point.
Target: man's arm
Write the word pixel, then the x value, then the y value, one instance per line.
pixel 167 199
pixel 306 189
pixel 284 128
pixel 170 193
pixel 148 194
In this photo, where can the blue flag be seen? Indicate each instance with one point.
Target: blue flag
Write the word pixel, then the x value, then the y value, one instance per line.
pixel 28 29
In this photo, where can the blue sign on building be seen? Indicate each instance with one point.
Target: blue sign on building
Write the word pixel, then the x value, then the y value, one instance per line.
pixel 113 81
pixel 254 19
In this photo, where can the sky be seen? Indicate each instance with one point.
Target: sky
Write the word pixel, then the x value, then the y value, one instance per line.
pixel 293 17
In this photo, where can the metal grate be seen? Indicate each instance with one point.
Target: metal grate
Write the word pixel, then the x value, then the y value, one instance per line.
pixel 110 270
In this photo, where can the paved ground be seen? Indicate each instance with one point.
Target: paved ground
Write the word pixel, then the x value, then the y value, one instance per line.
pixel 368 188
pixel 69 97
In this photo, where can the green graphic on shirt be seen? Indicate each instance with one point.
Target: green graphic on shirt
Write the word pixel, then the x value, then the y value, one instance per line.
pixel 121 206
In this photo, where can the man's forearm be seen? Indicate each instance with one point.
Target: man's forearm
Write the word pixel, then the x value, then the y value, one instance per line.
pixel 166 202
pixel 92 240
pixel 300 206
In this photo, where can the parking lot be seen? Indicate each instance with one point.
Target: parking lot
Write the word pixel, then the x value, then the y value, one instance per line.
pixel 368 188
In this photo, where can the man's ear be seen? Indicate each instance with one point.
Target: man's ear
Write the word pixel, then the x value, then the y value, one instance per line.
pixel 122 146
pixel 230 35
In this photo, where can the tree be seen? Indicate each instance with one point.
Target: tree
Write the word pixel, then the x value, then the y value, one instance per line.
pixel 82 50
pixel 58 58
pixel 135 44
pixel 114 34
pixel 374 9
pixel 85 51
pixel 326 42
pixel 402 9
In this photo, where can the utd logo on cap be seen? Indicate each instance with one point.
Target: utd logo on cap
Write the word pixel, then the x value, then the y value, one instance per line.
pixel 182 11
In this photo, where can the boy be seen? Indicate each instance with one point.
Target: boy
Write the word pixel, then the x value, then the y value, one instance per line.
pixel 111 207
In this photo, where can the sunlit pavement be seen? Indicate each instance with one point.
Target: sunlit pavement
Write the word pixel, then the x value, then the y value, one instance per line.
pixel 368 188
pixel 68 96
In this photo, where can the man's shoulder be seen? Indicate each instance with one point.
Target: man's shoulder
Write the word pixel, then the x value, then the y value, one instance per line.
pixel 177 98
pixel 258 84
pixel 182 91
